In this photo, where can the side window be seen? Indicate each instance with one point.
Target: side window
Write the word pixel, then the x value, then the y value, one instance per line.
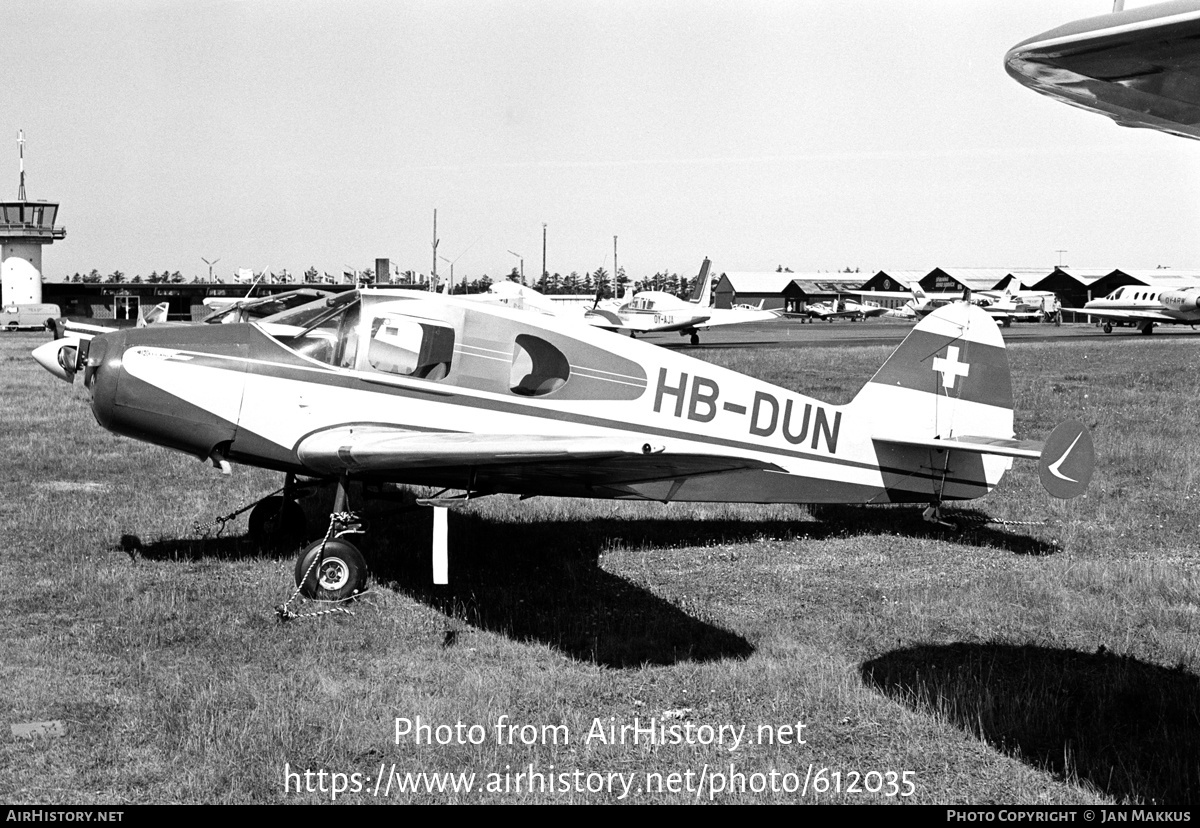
pixel 538 368
pixel 411 348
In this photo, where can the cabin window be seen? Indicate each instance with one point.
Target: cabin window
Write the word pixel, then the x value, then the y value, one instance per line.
pixel 411 348
pixel 538 368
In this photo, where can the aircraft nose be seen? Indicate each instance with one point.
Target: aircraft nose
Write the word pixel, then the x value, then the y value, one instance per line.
pixel 100 374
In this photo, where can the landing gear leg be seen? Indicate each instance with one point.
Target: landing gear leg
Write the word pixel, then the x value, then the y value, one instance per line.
pixel 333 569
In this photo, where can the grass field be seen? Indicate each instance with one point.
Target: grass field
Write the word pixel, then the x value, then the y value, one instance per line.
pixel 1051 659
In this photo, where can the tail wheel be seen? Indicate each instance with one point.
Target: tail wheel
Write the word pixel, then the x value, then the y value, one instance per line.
pixel 341 572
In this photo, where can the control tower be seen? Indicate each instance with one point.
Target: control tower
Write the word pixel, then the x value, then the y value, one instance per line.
pixel 25 226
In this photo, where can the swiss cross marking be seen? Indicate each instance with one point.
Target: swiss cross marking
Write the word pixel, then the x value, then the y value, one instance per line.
pixel 950 368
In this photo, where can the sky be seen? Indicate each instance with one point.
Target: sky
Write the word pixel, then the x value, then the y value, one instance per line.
pixel 814 135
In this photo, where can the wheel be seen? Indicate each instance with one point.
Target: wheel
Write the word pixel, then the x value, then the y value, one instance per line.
pixel 340 574
pixel 1108 327
pixel 695 340
pixel 278 522
pixel 12 327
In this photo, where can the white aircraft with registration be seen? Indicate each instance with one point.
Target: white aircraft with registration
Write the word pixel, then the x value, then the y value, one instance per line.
pixel 394 387
pixel 656 311
pixel 1145 307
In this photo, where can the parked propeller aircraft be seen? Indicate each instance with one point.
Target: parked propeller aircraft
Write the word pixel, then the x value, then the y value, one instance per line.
pixel 415 388
pixel 655 311
pixel 223 311
pixel 1137 67
pixel 1004 308
pixel 843 308
pixel 1145 307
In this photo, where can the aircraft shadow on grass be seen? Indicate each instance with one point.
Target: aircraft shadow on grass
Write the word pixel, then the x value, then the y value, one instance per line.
pixel 1116 724
pixel 543 581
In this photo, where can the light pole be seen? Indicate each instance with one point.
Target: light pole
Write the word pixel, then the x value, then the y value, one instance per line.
pixel 522 259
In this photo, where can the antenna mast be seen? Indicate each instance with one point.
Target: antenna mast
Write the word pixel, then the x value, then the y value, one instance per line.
pixel 433 281
pixel 21 144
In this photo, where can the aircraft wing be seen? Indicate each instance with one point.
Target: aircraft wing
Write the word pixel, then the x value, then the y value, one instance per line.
pixel 551 462
pixel 1127 315
pixel 1140 67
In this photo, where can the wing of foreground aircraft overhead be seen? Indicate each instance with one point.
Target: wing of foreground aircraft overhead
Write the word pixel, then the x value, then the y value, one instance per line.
pixel 1140 67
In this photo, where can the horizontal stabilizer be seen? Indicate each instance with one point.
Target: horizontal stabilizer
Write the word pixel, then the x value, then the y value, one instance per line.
pixel 1065 460
pixel 1028 449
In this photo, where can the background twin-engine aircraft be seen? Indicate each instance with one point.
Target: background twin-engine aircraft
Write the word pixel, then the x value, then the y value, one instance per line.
pixel 1145 307
pixel 418 388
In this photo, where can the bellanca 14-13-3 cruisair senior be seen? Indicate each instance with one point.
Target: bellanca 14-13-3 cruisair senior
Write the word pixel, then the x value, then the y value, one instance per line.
pixel 386 386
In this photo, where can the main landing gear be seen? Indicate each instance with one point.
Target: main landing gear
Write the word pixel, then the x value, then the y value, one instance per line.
pixel 692 334
pixel 331 570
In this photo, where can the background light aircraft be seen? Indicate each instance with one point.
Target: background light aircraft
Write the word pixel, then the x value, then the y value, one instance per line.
pixel 1137 67
pixel 1145 307
pixel 1003 309
pixel 655 311
pixel 843 308
pixel 223 311
pixel 385 387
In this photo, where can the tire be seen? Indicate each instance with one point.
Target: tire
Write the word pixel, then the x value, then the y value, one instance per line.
pixel 278 523
pixel 341 573
pixel 1108 327
pixel 695 339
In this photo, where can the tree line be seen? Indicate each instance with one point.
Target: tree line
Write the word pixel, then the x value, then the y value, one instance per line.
pixel 596 283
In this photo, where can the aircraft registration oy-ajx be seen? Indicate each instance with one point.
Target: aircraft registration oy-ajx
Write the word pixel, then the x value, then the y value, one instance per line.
pixel 407 387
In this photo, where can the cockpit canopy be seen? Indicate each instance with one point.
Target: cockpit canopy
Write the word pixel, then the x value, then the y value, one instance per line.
pixel 453 342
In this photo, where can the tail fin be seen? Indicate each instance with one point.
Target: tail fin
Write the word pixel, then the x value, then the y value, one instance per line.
pixel 702 292
pixel 949 377
pixel 939 408
pixel 156 314
pixel 917 292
